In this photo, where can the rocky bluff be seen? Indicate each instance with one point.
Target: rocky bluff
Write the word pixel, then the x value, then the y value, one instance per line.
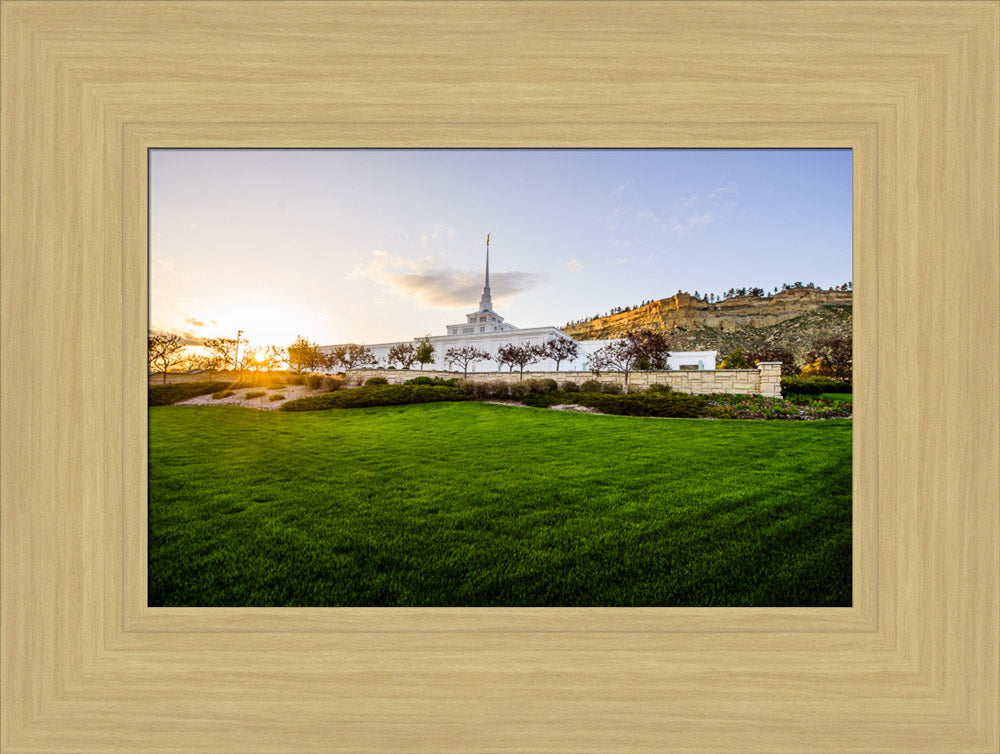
pixel 791 319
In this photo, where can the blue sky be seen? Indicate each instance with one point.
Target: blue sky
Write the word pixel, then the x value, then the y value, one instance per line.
pixel 371 246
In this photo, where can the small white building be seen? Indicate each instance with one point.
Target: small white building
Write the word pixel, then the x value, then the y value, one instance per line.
pixel 488 331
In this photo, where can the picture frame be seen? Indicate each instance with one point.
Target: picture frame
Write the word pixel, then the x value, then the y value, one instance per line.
pixel 912 88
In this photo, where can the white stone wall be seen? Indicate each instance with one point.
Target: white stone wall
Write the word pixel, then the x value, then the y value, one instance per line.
pixel 764 380
pixel 491 343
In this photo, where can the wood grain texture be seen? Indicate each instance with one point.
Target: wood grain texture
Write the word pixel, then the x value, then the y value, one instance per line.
pixel 87 88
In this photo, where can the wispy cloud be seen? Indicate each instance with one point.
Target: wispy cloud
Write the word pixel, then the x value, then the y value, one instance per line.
pixel 682 226
pixel 187 338
pixel 195 322
pixel 724 190
pixel 430 285
pixel 437 232
pixel 630 260
pixel 159 264
pixel 572 265
pixel 695 210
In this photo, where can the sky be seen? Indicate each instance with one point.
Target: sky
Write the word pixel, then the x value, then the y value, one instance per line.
pixel 372 246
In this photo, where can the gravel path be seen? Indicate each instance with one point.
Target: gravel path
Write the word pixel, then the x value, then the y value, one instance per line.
pixel 263 402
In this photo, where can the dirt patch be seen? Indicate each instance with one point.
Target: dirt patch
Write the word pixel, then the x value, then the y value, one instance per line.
pixel 574 407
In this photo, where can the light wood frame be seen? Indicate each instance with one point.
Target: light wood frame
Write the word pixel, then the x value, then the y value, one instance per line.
pixel 912 87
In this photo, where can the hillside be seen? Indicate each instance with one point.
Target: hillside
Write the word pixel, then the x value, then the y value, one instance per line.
pixel 792 319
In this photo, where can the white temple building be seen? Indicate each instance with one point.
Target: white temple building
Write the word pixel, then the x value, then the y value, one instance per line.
pixel 488 331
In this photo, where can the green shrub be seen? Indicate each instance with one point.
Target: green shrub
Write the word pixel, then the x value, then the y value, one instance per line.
pixel 518 390
pixel 166 395
pixel 254 393
pixel 313 381
pixel 297 379
pixel 545 400
pixel 570 387
pixel 813 386
pixel 375 395
pixel 542 385
pixel 333 383
pixel 645 404
pixel 592 386
pixel 612 388
pixel 660 388
pixel 482 390
pixel 441 381
pixel 223 394
pixel 276 397
pixel 631 404
pixel 376 381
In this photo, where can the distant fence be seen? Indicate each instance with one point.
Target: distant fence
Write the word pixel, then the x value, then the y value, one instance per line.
pixel 764 380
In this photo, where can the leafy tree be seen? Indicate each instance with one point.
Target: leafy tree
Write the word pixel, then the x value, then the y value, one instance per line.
pixel 404 353
pixel 425 352
pixel 835 355
pixel 518 356
pixel 651 348
pixel 353 356
pixel 304 356
pixel 164 351
pixel 465 356
pixel 734 360
pixel 816 369
pixel 559 349
pixel 774 353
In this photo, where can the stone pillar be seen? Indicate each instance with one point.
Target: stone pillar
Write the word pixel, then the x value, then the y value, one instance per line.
pixel 770 378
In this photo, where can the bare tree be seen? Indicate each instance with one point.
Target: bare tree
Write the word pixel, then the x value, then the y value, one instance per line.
pixel 223 352
pixel 559 349
pixel 619 356
pixel 164 351
pixel 465 356
pixel 518 356
pixel 639 347
pixel 404 353
pixel 353 356
pixel 268 358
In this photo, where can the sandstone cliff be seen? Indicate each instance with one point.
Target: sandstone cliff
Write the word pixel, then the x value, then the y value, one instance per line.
pixel 792 319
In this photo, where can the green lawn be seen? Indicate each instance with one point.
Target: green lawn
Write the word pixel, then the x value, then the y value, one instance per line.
pixel 484 505
pixel 842 397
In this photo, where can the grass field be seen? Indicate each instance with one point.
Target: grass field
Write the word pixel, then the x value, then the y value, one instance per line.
pixel 484 505
pixel 842 397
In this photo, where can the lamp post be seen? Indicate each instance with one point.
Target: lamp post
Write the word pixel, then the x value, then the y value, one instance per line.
pixel 236 357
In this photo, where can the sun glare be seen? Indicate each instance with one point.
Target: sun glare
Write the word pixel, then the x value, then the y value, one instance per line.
pixel 263 325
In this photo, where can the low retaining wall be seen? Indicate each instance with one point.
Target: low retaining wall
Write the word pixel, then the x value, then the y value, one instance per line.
pixel 764 380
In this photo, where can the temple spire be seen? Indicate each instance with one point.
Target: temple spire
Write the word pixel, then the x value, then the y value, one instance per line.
pixel 486 302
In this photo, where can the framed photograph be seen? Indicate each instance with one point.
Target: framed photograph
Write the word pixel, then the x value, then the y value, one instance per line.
pixel 331 426
pixel 90 664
